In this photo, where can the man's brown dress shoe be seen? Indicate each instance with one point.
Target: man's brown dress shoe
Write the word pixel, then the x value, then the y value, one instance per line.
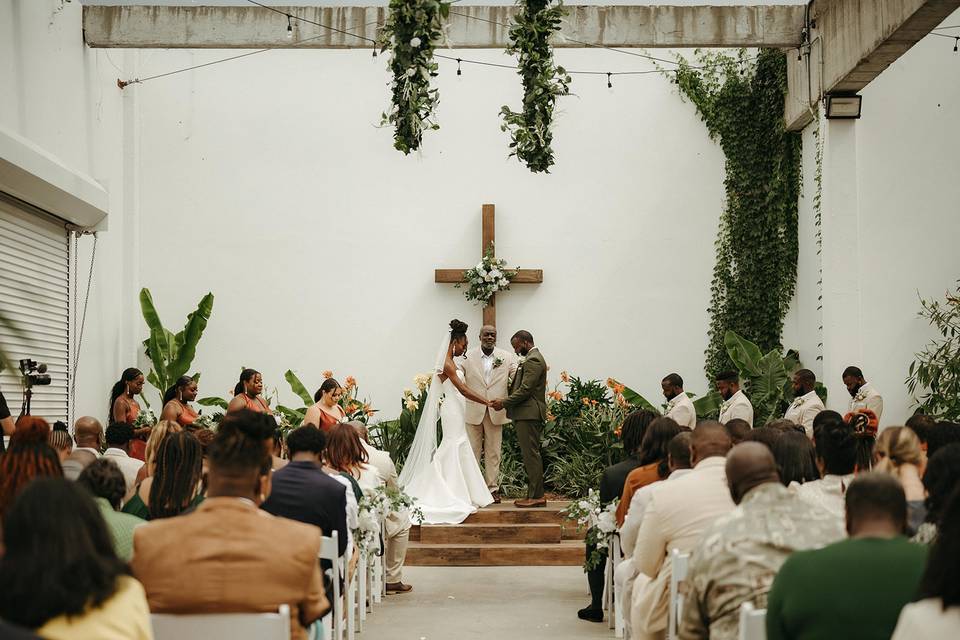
pixel 529 503
pixel 496 497
pixel 398 587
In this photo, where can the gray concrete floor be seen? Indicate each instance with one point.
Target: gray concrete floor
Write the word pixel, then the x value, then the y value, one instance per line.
pixel 494 603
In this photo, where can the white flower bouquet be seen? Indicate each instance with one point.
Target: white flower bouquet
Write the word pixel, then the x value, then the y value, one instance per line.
pixel 600 522
pixel 490 276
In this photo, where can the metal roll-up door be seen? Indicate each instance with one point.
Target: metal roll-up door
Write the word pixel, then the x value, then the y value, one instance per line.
pixel 35 296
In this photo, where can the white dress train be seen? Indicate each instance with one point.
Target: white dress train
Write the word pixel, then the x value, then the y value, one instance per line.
pixel 450 487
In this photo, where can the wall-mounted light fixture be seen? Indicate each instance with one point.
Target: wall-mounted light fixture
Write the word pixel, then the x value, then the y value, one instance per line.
pixel 843 107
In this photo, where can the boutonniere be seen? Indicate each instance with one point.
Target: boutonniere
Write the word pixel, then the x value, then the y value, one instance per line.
pixel 497 362
pixel 521 360
pixel 725 405
pixel 860 397
pixel 798 401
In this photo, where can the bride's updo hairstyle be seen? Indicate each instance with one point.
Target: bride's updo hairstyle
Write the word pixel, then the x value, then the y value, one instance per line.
pixel 458 330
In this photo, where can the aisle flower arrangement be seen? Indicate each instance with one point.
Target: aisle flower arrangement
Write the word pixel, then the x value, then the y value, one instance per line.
pixel 599 520
pixel 374 507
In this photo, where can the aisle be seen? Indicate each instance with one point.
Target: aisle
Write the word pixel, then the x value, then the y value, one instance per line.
pixel 505 603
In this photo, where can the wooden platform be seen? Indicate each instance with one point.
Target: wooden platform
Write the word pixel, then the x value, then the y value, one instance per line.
pixel 500 535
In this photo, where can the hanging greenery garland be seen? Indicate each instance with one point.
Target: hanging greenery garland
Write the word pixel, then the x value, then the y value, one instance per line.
pixel 543 82
pixel 741 102
pixel 412 30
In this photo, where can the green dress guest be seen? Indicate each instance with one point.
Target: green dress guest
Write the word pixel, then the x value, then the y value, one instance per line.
pixel 121 526
pixel 853 589
pixel 174 486
pixel 104 480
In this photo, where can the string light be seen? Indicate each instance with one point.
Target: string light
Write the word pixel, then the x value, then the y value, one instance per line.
pixel 956 44
pixel 459 73
pixel 289 28
pixel 609 80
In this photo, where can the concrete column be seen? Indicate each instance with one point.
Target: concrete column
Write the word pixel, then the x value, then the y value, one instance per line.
pixel 840 226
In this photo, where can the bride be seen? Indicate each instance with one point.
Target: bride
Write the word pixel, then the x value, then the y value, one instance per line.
pixel 446 480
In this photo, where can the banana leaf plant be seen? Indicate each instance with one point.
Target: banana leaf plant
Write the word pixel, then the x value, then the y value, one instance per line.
pixel 294 416
pixel 707 407
pixel 172 354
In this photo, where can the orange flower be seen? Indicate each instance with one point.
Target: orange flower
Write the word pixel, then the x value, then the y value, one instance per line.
pixel 351 382
pixel 367 409
pixel 618 389
pixel 556 395
pixel 594 402
pixel 550 416
pixel 564 376
pixel 611 382
pixel 617 431
pixel 327 374
pixel 621 401
pixel 586 401
pixel 353 406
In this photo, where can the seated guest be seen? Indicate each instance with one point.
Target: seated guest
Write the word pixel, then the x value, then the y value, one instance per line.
pixel 854 588
pixel 326 410
pixel 863 395
pixel 176 402
pixel 836 450
pixel 397 524
pixel 60 574
pixel 796 458
pixel 940 479
pixel 59 438
pixel 940 436
pixel 223 557
pixel 766 434
pixel 74 464
pixel 783 425
pixel 275 449
pixel 346 455
pixel 88 434
pixel 28 457
pixel 611 487
pixel 738 429
pixel 677 515
pixel 174 486
pixel 739 555
pixel 157 434
pixel 898 453
pixel 302 491
pixel 118 437
pixel 678 463
pixel 922 425
pixel 105 482
pixel 736 405
pixel 653 461
pixel 680 407
pixel 865 426
pixel 806 404
pixel 936 615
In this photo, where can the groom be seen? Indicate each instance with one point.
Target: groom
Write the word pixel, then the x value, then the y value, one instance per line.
pixel 527 407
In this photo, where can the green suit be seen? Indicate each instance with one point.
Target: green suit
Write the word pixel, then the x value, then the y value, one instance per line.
pixel 527 408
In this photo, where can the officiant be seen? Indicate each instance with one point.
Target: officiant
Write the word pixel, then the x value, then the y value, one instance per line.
pixel 487 370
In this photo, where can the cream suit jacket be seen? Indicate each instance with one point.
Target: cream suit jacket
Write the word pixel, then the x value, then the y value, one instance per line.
pixel 496 390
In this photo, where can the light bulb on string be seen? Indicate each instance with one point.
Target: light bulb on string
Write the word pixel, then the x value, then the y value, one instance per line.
pixel 956 44
pixel 459 73
pixel 374 49
pixel 289 28
pixel 609 80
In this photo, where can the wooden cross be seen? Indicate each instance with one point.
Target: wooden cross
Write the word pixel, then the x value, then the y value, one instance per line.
pixel 456 276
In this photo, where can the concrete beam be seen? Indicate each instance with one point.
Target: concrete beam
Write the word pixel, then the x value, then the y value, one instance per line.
pixel 855 40
pixel 471 27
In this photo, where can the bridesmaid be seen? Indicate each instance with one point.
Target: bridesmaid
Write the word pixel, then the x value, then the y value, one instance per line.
pixel 125 408
pixel 326 411
pixel 176 402
pixel 246 395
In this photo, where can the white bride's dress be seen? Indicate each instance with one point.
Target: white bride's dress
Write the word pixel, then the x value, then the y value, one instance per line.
pixel 450 487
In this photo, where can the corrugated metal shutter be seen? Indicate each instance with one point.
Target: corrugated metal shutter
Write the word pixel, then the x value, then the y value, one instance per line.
pixel 35 295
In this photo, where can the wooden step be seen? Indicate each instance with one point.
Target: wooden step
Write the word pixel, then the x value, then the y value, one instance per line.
pixel 504 514
pixel 490 555
pixel 444 534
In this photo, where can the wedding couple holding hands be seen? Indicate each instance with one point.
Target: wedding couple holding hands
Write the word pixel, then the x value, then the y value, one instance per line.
pixel 473 394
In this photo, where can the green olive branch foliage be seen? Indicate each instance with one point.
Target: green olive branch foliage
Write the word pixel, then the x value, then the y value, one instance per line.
pixel 543 82
pixel 412 31
pixel 741 102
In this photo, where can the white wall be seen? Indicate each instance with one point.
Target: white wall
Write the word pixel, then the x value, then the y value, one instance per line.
pixel 267 181
pixel 63 97
pixel 890 223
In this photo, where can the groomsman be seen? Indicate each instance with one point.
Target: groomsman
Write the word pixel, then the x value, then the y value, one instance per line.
pixel 863 395
pixel 679 407
pixel 735 402
pixel 807 403
pixel 486 370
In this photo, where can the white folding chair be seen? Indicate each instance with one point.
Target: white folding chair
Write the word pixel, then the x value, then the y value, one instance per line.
pixel 350 597
pixel 330 551
pixel 753 622
pixel 614 553
pixel 223 626
pixel 363 572
pixel 679 564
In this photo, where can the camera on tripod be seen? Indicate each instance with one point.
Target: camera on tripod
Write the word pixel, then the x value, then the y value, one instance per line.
pixel 34 373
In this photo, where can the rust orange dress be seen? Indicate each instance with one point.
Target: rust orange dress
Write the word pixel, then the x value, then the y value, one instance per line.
pixel 138 446
pixel 187 415
pixel 327 420
pixel 257 404
pixel 639 477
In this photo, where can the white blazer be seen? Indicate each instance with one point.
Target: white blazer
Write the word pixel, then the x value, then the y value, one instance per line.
pixel 496 389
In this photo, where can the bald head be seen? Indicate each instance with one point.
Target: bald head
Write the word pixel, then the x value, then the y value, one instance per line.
pixel 749 465
pixel 88 432
pixel 710 439
pixel 488 338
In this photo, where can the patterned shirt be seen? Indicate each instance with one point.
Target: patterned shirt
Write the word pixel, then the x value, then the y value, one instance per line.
pixel 739 556
pixel 121 526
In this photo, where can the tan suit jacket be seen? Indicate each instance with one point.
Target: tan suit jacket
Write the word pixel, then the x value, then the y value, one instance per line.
pixel 496 390
pixel 230 557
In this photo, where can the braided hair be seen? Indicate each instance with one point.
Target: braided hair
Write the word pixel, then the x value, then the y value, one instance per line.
pixel 179 463
pixel 28 457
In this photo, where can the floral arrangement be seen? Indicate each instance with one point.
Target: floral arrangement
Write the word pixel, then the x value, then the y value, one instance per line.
pixel 146 418
pixel 600 522
pixel 208 421
pixel 490 276
pixel 374 507
pixel 543 82
pixel 355 408
pixel 412 30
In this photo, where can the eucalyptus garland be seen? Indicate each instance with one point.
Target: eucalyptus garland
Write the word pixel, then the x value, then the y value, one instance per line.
pixel 543 82
pixel 741 101
pixel 412 30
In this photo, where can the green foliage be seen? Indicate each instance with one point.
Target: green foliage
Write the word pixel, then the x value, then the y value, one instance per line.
pixel 741 102
pixel 934 376
pixel 172 354
pixel 576 450
pixel 396 436
pixel 213 401
pixel 486 279
pixel 543 82
pixel 580 394
pixel 412 31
